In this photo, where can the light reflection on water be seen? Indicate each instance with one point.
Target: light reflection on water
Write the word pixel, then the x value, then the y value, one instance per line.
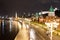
pixel 10 25
pixel 2 26
pixel 7 30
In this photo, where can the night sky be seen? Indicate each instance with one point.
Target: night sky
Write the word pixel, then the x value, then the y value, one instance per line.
pixel 9 7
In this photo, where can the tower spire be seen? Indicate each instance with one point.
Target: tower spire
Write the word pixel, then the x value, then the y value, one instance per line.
pixel 16 15
pixel 51 9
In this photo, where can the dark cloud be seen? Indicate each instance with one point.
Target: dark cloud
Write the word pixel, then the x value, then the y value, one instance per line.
pixel 44 1
pixel 11 6
pixel 56 1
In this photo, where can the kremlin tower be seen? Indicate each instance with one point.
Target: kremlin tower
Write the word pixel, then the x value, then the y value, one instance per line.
pixel 51 11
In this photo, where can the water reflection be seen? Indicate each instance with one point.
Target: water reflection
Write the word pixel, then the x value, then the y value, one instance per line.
pixel 10 21
pixel 2 26
pixel 7 30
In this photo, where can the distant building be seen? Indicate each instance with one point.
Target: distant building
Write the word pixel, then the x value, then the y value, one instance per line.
pixel 51 11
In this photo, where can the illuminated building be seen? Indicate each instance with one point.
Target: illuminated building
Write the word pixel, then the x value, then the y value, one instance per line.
pixel 51 11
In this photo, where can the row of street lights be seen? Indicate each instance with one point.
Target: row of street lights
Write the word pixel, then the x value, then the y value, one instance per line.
pixel 50 26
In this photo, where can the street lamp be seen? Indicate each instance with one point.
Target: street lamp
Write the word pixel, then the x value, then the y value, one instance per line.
pixel 51 25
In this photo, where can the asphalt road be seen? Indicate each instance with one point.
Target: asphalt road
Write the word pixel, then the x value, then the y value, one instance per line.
pixel 23 33
pixel 32 33
pixel 42 33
